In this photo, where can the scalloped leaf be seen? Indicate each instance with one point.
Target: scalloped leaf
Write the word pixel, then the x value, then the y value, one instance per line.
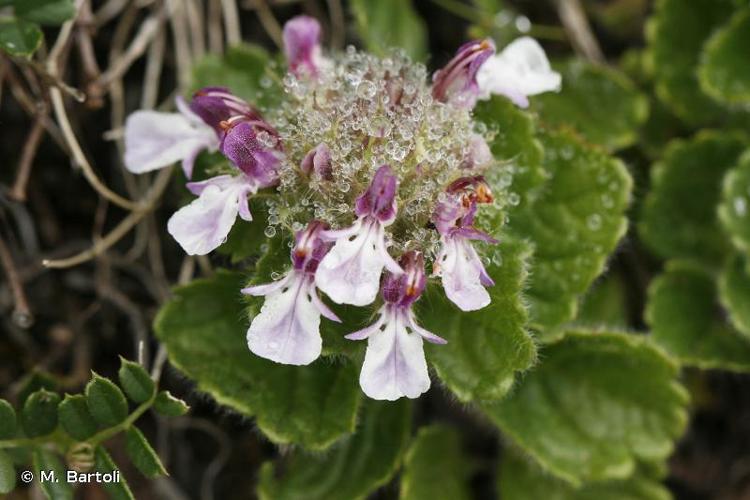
pixel 521 480
pixel 390 23
pixel 353 468
pixel 435 467
pixel 676 33
pixel 601 103
pixel 684 319
pixel 734 210
pixel 678 217
pixel 598 404
pixel 204 332
pixel 575 222
pixel 724 73
pixel 734 293
pixel 487 347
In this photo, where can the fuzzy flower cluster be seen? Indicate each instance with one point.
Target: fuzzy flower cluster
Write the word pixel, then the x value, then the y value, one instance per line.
pixel 378 171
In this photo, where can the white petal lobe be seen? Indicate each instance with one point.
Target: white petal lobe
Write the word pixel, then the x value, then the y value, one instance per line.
pixel 287 328
pixel 461 270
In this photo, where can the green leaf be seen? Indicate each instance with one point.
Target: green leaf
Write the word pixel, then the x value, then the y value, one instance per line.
pixel 247 239
pixel 724 73
pixel 678 218
pixel 142 454
pixel 735 203
pixel 684 318
pixel 247 70
pixel 46 460
pixel 33 382
pixel 103 463
pixel 204 330
pixel 383 24
pixel 676 34
pixel 734 293
pixel 19 37
pixel 170 406
pixel 7 474
pixel 601 103
pixel 521 480
pixel 487 347
pixel 605 304
pixel 39 413
pixel 135 381
pixel 574 222
pixel 106 401
pixel 46 12
pixel 513 142
pixel 75 417
pixel 597 405
pixel 7 420
pixel 434 466
pixel 353 468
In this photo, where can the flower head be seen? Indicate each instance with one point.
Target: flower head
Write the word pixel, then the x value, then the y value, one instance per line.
pixel 394 364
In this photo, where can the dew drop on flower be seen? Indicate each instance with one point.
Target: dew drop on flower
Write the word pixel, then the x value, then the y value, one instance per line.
pixel 514 199
pixel 270 231
pixel 740 206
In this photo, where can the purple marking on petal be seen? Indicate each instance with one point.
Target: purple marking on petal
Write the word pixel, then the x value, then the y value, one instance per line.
pixel 215 105
pixel 310 247
pixel 287 328
pixel 302 45
pixel 379 199
pixel 456 83
pixel 394 364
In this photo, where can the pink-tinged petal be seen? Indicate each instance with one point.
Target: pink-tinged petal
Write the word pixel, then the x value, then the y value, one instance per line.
pixel 350 271
pixel 244 207
pixel 478 154
pixel 287 328
pixel 379 199
pixel 390 263
pixel 155 140
pixel 456 83
pixel 394 364
pixel 302 45
pixel 459 266
pixel 426 334
pixel 220 181
pixel 324 309
pixel 520 70
pixel 266 288
pixel 368 330
pixel 204 224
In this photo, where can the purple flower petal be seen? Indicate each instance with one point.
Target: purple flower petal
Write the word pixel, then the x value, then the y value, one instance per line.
pixel 244 147
pixel 287 328
pixel 318 160
pixel 302 45
pixel 379 200
pixel 456 83
pixel 394 364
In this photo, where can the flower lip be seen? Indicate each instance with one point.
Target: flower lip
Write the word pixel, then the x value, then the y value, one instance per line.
pixel 217 104
pixel 379 200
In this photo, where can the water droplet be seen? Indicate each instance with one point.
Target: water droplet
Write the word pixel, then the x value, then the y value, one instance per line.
pixel 523 24
pixel 270 231
pixel 366 90
pixel 740 206
pixel 607 201
pixel 594 222
pixel 275 276
pixel 514 199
